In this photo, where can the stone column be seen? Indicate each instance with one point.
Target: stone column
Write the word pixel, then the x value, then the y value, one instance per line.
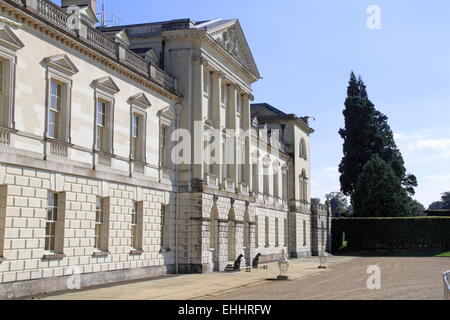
pixel 215 96
pixel 232 126
pixel 197 118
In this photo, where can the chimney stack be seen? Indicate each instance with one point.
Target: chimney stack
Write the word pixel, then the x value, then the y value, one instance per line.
pixel 80 3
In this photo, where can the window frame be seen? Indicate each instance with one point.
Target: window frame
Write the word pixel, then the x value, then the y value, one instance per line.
pixel 105 90
pixel 165 228
pixel 166 118
pixel 64 79
pixel 9 45
pixel 7 86
pixel 141 139
pixel 108 127
pixel 58 222
pixel 101 239
pixel 136 225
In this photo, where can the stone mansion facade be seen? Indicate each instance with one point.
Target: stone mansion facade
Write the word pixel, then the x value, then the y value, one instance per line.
pixel 93 181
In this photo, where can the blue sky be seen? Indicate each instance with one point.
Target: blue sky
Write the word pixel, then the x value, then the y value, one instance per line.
pixel 305 50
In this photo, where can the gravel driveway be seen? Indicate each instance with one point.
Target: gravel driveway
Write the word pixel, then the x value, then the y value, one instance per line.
pixel 401 279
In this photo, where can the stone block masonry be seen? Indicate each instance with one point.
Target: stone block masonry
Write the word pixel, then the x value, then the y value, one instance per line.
pixel 23 216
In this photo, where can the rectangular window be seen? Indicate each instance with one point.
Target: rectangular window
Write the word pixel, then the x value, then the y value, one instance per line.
pixel 5 92
pixel 101 224
pixel 286 232
pixel 224 159
pixel 255 177
pixel 52 219
pixel 266 181
pixel 165 243
pixel 304 234
pixel 267 232
pixel 55 110
pixel 284 186
pixel 164 146
pixel 137 220
pixel 136 137
pixel 134 226
pixel 101 128
pixel 276 179
pixel 277 233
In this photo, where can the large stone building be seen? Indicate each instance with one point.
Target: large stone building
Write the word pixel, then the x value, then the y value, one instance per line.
pixel 134 151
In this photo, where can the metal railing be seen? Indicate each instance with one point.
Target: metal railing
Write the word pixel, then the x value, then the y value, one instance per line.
pixel 58 17
pixel 446 277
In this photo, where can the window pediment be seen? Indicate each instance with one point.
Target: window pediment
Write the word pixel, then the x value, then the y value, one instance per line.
pixel 140 100
pixel 166 115
pixel 9 39
pixel 62 63
pixel 107 84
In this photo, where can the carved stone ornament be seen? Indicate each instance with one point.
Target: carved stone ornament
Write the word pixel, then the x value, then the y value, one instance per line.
pixel 229 42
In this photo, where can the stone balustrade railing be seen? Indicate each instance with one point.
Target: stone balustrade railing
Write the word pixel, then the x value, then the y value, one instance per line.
pixel 58 17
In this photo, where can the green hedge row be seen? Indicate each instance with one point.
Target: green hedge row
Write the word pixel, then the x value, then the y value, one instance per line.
pixel 356 234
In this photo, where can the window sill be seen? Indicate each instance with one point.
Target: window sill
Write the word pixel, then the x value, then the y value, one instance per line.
pixel 165 250
pixel 136 252
pixel 55 256
pixel 101 254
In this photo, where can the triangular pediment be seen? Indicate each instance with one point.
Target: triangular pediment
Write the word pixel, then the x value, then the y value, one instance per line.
pixel 152 56
pixel 107 84
pixel 167 114
pixel 229 35
pixel 9 39
pixel 141 100
pixel 62 63
pixel 122 37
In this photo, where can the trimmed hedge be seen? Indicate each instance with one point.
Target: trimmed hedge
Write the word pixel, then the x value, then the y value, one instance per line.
pixel 356 234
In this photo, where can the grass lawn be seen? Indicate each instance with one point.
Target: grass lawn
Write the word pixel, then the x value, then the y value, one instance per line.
pixel 445 254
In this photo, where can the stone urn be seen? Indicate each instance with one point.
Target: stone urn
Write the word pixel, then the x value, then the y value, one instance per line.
pixel 283 266
pixel 323 259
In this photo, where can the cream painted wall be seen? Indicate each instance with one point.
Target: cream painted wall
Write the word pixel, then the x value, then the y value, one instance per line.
pixel 31 97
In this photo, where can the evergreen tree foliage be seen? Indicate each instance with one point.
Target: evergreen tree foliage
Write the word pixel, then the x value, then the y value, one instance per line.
pixel 379 192
pixel 367 133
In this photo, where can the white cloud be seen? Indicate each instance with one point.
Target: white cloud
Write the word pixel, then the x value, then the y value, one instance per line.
pixel 419 144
